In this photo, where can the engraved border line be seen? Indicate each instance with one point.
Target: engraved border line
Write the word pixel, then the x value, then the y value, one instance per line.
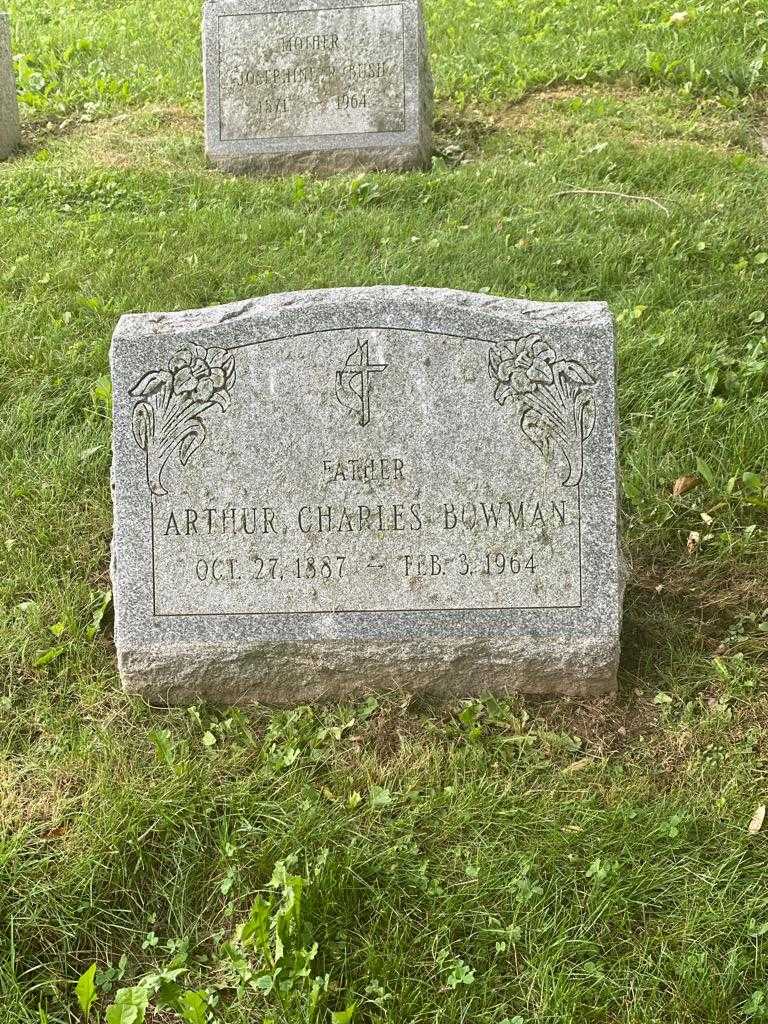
pixel 364 611
pixel 311 10
pixel 358 327
pixel 374 611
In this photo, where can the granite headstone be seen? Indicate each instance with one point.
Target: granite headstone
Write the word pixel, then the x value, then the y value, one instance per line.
pixel 9 106
pixel 316 85
pixel 323 493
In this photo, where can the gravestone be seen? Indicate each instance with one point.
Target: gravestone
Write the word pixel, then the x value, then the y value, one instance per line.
pixel 323 493
pixel 9 107
pixel 316 85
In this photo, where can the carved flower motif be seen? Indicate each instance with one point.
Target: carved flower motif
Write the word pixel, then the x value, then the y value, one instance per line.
pixel 521 369
pixel 535 357
pixel 553 397
pixel 201 373
pixel 168 416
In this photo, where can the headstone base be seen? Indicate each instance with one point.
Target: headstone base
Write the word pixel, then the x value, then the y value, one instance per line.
pixel 284 675
pixel 324 163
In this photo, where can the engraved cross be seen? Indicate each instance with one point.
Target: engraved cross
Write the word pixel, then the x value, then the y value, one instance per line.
pixel 353 382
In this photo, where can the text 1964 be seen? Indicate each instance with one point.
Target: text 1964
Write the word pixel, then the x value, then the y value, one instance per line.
pixel 351 102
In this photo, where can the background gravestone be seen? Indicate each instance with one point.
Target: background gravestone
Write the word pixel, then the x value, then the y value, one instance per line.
pixel 316 85
pixel 328 492
pixel 9 108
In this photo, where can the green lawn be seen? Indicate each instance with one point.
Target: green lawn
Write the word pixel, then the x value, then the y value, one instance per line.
pixel 524 861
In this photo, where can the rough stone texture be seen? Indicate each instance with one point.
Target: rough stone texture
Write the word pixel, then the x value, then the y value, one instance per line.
pixel 320 86
pixel 10 135
pixel 326 493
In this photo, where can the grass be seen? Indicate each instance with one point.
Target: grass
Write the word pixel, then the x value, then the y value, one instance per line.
pixel 95 56
pixel 526 861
